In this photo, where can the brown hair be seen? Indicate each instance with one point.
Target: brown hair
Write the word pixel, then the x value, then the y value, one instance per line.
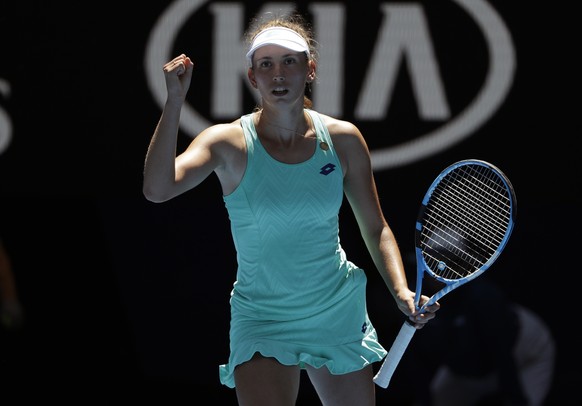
pixel 293 21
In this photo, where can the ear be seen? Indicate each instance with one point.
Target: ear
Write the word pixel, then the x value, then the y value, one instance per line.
pixel 311 73
pixel 251 76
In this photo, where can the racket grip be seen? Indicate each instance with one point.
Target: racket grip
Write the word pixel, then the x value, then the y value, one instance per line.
pixel 392 360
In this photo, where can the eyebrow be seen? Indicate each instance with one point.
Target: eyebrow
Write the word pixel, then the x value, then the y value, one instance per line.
pixel 282 56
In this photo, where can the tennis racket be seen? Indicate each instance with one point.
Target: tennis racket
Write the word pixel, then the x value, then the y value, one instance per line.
pixel 464 222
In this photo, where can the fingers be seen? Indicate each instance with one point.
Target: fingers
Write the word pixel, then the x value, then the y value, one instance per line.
pixel 421 319
pixel 433 308
pixel 428 313
pixel 178 74
pixel 179 65
pixel 418 318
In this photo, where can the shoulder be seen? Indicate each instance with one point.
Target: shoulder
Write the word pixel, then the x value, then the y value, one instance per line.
pixel 222 131
pixel 343 133
pixel 224 142
pixel 219 137
pixel 225 145
pixel 347 140
pixel 339 127
pixel 349 144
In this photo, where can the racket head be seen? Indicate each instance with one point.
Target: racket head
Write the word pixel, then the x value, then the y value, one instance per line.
pixel 465 220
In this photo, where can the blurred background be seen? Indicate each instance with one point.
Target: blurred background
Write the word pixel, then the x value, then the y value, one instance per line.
pixel 128 298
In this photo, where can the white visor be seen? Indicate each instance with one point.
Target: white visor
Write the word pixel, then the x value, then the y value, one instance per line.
pixel 281 36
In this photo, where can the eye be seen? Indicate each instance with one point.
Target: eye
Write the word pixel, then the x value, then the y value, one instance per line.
pixel 290 60
pixel 265 64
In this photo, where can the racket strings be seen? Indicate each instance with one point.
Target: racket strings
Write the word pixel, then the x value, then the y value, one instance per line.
pixel 465 221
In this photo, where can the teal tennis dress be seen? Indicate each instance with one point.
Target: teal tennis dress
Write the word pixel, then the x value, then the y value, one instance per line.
pixel 296 297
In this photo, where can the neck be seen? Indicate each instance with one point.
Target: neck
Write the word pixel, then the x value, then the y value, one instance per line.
pixel 288 126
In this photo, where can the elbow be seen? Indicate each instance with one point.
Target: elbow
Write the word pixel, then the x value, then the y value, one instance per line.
pixel 152 195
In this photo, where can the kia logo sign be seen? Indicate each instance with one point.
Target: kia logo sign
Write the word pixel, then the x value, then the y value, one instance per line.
pixel 402 40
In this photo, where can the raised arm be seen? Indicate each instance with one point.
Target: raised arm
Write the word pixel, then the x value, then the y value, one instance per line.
pixel 167 174
pixel 159 183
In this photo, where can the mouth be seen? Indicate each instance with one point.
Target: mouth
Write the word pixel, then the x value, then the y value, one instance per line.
pixel 280 91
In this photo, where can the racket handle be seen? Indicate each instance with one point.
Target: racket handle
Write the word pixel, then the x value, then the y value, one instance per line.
pixel 391 361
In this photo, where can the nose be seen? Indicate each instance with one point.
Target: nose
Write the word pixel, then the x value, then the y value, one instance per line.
pixel 278 74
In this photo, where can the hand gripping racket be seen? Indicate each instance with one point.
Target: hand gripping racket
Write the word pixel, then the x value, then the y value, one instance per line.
pixel 464 222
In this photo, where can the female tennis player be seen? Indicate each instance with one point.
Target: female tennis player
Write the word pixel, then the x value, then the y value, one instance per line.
pixel 297 302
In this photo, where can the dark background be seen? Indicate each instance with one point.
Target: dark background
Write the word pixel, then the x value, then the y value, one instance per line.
pixel 127 298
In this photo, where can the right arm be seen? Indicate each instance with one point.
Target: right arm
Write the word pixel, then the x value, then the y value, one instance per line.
pixel 165 174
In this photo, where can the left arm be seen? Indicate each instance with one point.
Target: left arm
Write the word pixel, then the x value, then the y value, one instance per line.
pixel 362 195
